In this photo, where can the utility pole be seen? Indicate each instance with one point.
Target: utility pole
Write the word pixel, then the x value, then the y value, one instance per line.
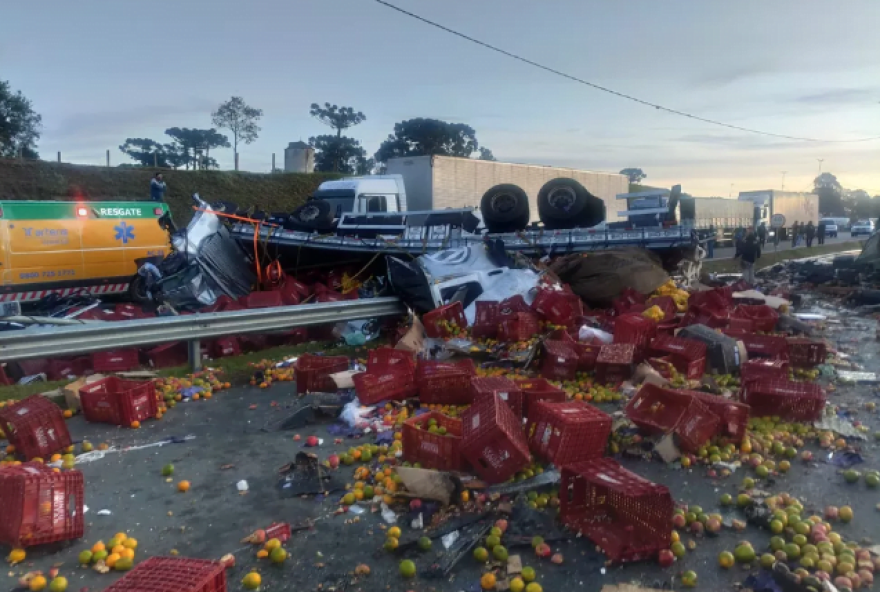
pixel 821 160
pixel 730 191
pixel 783 180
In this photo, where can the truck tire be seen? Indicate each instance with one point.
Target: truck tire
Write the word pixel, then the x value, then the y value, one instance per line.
pixel 505 208
pixel 565 203
pixel 316 214
pixel 137 290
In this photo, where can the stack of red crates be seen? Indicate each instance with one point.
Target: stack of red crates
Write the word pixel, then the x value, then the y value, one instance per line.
pixel 390 376
pixel 36 427
pixel 561 360
pixel 117 401
pixel 313 372
pixel 445 383
pixel 505 389
pixel 687 355
pixel 433 450
pixel 39 505
pixel 636 330
pixel 538 389
pixel 626 515
pixel 485 320
pixel 492 440
pixel 659 411
pixel 440 321
pixel 734 414
pixel 565 433
pixel 173 574
pixel 615 363
pixel 790 400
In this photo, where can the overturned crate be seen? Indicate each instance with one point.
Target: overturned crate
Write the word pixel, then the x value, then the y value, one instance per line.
pixel 538 389
pixel 35 426
pixel 688 356
pixel 627 516
pixel 658 411
pixel 434 445
pixel 787 399
pixel 504 388
pixel 492 440
pixel 565 433
pixel 445 383
pixel 173 574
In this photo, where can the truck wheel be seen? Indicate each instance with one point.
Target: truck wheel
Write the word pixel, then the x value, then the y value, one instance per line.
pixel 505 208
pixel 137 290
pixel 316 214
pixel 565 203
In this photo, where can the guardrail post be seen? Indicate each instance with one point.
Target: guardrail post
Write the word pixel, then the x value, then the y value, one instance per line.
pixel 194 348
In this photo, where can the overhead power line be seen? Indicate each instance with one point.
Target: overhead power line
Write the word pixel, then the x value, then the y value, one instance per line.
pixel 612 91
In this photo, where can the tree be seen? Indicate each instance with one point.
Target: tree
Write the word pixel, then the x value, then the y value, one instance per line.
pixel 421 136
pixel 19 124
pixel 486 154
pixel 145 152
pixel 828 188
pixel 195 145
pixel 338 118
pixel 634 175
pixel 339 154
pixel 240 119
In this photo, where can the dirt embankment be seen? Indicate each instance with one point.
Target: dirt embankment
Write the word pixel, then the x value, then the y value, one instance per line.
pixel 48 180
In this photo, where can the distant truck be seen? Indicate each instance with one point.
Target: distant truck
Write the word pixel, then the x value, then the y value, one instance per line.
pixel 726 215
pixel 782 208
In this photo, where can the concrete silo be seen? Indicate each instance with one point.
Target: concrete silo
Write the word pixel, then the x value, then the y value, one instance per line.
pixel 299 157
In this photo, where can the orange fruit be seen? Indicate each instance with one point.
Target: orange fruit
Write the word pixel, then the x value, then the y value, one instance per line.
pixel 252 581
pixel 159 415
pixel 135 425
pixel 68 414
pixel 117 550
pixel 17 556
pixel 37 583
pixel 127 553
pixel 55 458
pixel 99 546
pixel 488 581
pixel 195 397
pixel 129 543
pixel 111 560
pixel 183 486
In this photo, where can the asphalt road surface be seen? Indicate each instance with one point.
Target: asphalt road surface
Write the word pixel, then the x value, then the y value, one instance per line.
pixel 728 253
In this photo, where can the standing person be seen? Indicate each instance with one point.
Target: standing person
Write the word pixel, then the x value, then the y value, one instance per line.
pixel 157 188
pixel 820 232
pixel 810 233
pixel 749 253
pixel 794 234
pixel 762 234
pixel 738 236
pixel 710 243
pixel 777 236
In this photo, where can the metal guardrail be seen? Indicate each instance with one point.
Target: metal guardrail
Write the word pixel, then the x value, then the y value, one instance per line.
pixel 46 342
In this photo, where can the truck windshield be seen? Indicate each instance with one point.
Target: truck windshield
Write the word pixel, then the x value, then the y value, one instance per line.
pixel 341 200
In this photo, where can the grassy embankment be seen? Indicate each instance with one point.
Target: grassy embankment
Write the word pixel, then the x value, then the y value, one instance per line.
pixel 770 258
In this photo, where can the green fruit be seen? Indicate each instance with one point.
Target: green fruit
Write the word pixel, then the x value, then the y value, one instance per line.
pixel 99 556
pixel 792 551
pixel 123 564
pixel 500 553
pixel 851 475
pixel 425 544
pixel 85 557
pixel 726 499
pixel 407 568
pixel 872 480
pixel 167 471
pixel 744 554
pixel 492 541
pixel 767 560
pixel 777 543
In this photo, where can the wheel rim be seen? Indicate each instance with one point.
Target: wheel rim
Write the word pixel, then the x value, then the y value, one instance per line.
pixel 503 203
pixel 562 198
pixel 308 214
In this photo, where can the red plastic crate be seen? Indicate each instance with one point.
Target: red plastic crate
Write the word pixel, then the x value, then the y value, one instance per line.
pixel 705 315
pixel 505 389
pixel 62 368
pixel 621 512
pixel 117 401
pixel 382 358
pixel 436 321
pixel 538 389
pixel 173 574
pixel 687 355
pixel 225 347
pixel 445 383
pixel 268 299
pixel 561 360
pixel 168 355
pixel 36 427
pixel 588 353
pixel 559 307
pixel 616 362
pixel 765 346
pixel 120 360
pixel 792 401
pixel 565 433
pixel 658 411
pixel 762 316
pixel 492 440
pixel 759 368
pixel 40 506
pixel 716 298
pixel 628 300
pixel 741 324
pixel 734 415
pixel 666 304
pixel 634 329
pixel 294 285
pixel 254 342
pixel 520 326
pixel 4 378
pixel 394 383
pixel 433 451
pixel 806 353
pixel 511 306
pixel 485 319
pixel 313 372
pixel 127 312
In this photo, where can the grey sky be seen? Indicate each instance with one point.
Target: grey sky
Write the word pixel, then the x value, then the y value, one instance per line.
pixel 101 71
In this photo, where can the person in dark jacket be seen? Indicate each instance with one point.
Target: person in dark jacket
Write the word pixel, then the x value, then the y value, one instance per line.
pixel 711 235
pixel 749 253
pixel 810 233
pixel 762 234
pixel 157 188
pixel 795 234
pixel 820 232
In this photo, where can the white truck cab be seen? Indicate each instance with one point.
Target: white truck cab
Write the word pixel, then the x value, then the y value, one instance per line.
pixel 362 195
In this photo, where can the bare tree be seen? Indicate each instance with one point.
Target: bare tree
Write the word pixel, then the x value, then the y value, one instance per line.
pixel 240 119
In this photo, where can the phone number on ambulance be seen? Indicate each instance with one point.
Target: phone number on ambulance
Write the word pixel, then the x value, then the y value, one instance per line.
pixel 33 275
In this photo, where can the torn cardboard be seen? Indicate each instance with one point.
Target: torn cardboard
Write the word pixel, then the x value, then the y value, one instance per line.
pixel 428 484
pixel 413 340
pixel 343 380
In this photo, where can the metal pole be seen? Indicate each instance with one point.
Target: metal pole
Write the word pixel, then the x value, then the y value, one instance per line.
pixel 783 180
pixel 236 161
pixel 108 158
pixel 821 160
pixel 273 162
pixel 194 350
pixel 59 156
pixel 155 160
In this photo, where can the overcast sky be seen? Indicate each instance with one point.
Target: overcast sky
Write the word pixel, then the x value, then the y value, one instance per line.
pixel 100 71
